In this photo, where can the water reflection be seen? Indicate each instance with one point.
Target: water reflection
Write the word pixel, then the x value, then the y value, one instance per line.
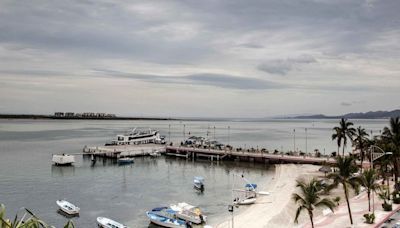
pixel 62 171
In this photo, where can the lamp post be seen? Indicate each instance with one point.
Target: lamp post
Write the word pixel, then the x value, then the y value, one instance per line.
pixel 306 139
pixel 373 157
pixel 294 140
pixel 229 135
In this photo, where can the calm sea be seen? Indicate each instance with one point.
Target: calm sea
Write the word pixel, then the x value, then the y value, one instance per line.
pixel 124 193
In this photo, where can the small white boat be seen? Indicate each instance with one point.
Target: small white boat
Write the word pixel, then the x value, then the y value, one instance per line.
pixel 189 213
pixel 109 223
pixel 155 154
pixel 68 207
pixel 165 217
pixel 123 161
pixel 63 159
pixel 199 183
pixel 245 201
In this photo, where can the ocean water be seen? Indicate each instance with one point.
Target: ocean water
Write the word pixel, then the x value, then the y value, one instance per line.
pixel 124 193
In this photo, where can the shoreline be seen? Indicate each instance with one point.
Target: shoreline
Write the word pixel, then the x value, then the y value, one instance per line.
pixel 276 209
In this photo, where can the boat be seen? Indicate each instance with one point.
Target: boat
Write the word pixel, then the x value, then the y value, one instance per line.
pixel 245 201
pixel 155 153
pixel 124 161
pixel 137 136
pixel 165 217
pixel 189 213
pixel 63 159
pixel 68 207
pixel 109 223
pixel 199 183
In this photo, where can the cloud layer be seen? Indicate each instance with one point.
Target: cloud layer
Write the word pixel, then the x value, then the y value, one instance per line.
pixel 65 54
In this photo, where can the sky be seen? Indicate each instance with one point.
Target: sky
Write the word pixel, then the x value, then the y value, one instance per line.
pixel 208 58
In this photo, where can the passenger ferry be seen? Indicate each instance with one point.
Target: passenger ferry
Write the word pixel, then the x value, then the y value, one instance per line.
pixel 137 136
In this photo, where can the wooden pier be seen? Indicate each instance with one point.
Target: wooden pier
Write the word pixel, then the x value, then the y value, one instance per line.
pixel 124 151
pixel 217 155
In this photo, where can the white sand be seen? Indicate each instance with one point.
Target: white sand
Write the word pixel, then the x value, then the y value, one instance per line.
pixel 277 209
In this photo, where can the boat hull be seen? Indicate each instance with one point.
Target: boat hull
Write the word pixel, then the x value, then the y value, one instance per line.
pixel 164 222
pixel 70 210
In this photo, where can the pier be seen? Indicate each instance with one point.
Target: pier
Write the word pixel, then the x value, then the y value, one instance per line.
pixel 258 156
pixel 123 150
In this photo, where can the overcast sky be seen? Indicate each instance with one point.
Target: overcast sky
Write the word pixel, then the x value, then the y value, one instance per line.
pixel 208 58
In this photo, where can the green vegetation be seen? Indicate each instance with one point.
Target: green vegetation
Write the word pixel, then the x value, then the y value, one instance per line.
pixel 368 179
pixel 346 166
pixel 310 198
pixel 28 220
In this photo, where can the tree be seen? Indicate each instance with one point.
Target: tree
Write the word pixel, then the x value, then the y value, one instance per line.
pixel 309 198
pixel 391 136
pixel 343 132
pixel 346 166
pixel 28 220
pixel 361 142
pixel 368 180
pixel 338 136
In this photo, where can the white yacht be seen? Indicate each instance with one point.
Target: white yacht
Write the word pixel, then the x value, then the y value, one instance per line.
pixel 137 136
pixel 189 213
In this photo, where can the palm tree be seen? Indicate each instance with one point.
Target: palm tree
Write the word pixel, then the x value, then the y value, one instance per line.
pixel 361 142
pixel 344 175
pixel 28 220
pixel 309 198
pixel 368 180
pixel 338 136
pixel 392 136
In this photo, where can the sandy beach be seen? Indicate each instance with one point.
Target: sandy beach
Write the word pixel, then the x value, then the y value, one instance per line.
pixel 277 209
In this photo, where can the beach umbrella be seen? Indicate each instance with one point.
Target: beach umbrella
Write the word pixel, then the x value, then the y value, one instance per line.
pixel 325 169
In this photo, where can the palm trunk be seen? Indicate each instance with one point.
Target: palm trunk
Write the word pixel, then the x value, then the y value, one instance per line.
pixel 396 172
pixel 369 200
pixel 362 158
pixel 338 150
pixel 346 194
pixel 311 219
pixel 343 150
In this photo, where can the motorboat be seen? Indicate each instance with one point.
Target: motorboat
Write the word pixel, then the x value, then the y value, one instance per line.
pixel 68 207
pixel 189 213
pixel 165 217
pixel 109 223
pixel 155 153
pixel 137 136
pixel 245 201
pixel 126 160
pixel 199 183
pixel 63 159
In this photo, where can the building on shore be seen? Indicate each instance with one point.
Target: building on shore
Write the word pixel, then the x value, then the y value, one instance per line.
pixel 88 115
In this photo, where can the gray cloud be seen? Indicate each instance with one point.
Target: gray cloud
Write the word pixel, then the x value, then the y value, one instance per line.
pixel 283 66
pixel 237 42
pixel 214 80
pixel 345 103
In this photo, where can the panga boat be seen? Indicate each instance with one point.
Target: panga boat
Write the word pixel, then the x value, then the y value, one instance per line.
pixel 109 223
pixel 68 207
pixel 63 159
pixel 199 183
pixel 189 213
pixel 123 161
pixel 245 201
pixel 165 217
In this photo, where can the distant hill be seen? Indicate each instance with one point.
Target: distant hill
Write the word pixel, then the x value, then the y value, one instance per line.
pixel 359 115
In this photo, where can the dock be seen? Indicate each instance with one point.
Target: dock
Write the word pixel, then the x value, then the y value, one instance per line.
pixel 123 150
pixel 258 156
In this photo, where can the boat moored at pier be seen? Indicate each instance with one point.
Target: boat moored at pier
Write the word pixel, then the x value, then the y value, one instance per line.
pixel 189 213
pixel 138 136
